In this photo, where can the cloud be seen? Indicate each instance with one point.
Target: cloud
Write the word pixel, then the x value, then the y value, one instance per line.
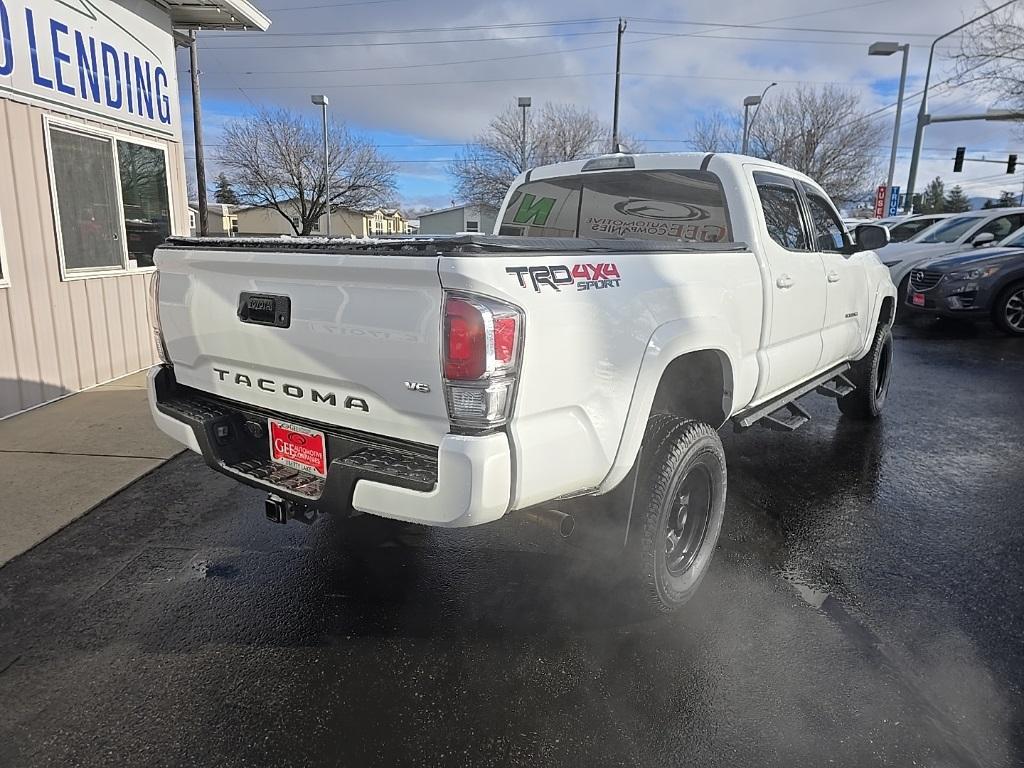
pixel 430 92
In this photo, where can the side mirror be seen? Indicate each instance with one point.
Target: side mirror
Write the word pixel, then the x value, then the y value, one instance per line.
pixel 983 239
pixel 871 237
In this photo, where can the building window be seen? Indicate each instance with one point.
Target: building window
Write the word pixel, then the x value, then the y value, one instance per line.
pixel 315 226
pixel 112 201
pixel 472 226
pixel 87 211
pixel 144 195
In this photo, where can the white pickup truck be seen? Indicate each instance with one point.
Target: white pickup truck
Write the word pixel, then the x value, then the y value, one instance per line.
pixel 581 359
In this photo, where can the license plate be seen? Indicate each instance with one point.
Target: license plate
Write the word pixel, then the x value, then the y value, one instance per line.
pixel 298 447
pixel 918 299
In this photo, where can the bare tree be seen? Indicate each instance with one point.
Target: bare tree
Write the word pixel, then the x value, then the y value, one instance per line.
pixel 275 159
pixel 716 132
pixel 992 55
pixel 824 133
pixel 484 169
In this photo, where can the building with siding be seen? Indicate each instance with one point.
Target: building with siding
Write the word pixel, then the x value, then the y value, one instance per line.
pixel 461 218
pixel 94 180
pixel 345 222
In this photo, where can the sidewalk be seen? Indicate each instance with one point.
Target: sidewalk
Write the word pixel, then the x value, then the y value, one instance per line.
pixel 60 460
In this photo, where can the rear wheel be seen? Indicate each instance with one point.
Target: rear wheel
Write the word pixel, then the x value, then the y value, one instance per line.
pixel 871 376
pixel 680 504
pixel 1008 311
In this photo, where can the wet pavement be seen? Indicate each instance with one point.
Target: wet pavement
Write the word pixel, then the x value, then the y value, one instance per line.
pixel 865 607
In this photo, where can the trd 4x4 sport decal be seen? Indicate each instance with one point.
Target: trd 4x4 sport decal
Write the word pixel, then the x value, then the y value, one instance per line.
pixel 585 277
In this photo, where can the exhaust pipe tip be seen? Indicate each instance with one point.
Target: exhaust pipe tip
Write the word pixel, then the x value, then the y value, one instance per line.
pixel 554 520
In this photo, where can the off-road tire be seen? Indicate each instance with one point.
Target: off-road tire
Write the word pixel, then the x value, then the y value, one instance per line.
pixel 871 375
pixel 673 451
pixel 1001 309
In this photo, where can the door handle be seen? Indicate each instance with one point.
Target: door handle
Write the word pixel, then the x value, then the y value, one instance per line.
pixel 833 277
pixel 784 281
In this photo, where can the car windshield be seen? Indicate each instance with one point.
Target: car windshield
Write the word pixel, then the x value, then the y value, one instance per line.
pixel 949 231
pixel 683 205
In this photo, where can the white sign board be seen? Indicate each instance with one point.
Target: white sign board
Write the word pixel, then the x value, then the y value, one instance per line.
pixel 94 57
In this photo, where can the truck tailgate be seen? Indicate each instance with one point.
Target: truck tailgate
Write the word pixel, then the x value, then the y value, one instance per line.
pixel 360 348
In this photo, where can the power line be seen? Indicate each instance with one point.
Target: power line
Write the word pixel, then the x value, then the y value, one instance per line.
pixel 834 30
pixel 400 42
pixel 419 83
pixel 420 30
pixel 422 66
pixel 335 5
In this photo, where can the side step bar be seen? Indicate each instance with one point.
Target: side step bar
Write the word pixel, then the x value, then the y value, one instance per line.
pixel 783 413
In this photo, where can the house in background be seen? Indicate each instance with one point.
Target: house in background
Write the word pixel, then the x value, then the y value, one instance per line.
pixel 221 219
pixel 461 218
pixel 345 222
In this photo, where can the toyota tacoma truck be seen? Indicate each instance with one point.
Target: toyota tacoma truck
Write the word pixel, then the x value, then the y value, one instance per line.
pixel 578 362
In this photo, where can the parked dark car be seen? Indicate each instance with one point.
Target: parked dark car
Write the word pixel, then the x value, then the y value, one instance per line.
pixel 974 284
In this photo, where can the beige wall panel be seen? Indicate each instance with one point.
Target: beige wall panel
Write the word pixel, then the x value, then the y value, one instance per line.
pixel 87 372
pixel 100 331
pixel 26 178
pixel 10 391
pixel 60 301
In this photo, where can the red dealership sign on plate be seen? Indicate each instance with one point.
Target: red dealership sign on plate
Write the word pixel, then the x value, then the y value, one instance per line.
pixel 298 447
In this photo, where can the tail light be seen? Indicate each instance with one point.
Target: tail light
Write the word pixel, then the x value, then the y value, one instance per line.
pixel 154 318
pixel 482 341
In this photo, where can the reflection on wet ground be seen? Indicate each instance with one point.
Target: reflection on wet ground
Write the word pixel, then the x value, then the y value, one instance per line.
pixel 865 608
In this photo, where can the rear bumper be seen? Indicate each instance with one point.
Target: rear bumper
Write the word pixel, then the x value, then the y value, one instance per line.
pixel 465 481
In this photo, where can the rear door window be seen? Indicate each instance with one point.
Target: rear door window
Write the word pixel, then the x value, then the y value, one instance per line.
pixel 683 205
pixel 828 230
pixel 781 206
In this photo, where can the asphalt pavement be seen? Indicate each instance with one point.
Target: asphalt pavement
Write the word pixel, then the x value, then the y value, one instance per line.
pixel 865 607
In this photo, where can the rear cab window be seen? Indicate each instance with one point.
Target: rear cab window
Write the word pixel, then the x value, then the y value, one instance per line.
pixel 666 205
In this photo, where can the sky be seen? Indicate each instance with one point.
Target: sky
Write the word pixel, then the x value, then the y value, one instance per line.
pixel 422 78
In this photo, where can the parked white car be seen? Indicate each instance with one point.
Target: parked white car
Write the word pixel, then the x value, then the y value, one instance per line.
pixel 578 366
pixel 957 233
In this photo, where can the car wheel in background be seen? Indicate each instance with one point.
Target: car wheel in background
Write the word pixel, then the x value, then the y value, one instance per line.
pixel 680 504
pixel 871 376
pixel 1008 311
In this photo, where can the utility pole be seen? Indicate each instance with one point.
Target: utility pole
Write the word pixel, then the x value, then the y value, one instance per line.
pixel 618 78
pixel 197 127
pixel 923 118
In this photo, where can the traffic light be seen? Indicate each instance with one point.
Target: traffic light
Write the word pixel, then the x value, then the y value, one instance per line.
pixel 1011 164
pixel 958 161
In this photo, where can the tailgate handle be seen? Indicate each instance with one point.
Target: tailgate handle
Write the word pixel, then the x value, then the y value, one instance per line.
pixel 265 309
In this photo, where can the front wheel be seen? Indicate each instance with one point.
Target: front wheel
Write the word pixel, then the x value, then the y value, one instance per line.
pixel 680 501
pixel 871 376
pixel 1008 311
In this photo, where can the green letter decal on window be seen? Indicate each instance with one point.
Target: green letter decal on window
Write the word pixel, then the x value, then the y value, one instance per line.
pixel 532 210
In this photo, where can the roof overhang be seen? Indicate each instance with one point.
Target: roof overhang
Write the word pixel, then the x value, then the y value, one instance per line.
pixel 215 14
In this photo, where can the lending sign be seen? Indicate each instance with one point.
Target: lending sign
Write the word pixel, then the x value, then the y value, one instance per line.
pixel 92 56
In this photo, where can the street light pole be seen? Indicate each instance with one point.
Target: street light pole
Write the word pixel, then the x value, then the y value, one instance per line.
pixel 752 101
pixel 321 101
pixel 922 112
pixel 888 49
pixel 524 103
